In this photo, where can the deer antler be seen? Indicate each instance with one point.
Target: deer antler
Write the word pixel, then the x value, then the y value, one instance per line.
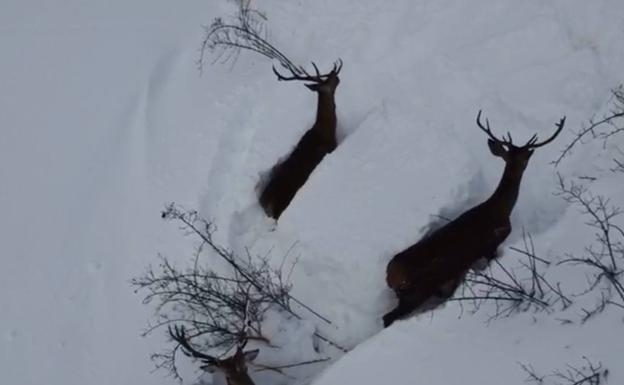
pixel 305 76
pixel 178 334
pixel 337 66
pixel 488 131
pixel 532 143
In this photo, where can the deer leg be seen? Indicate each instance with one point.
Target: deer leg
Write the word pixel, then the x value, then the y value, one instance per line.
pixel 407 304
pixel 500 234
pixel 267 201
pixel 392 316
pixel 492 254
pixel 488 256
pixel 483 262
pixel 448 289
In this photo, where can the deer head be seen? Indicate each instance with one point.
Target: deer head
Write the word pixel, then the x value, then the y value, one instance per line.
pixel 234 368
pixel 323 84
pixel 515 156
pixel 516 159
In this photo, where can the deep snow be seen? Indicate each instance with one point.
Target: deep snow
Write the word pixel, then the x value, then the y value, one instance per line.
pixel 105 118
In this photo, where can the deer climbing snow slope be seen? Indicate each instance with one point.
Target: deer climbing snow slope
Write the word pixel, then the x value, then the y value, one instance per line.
pixel 287 177
pixel 436 265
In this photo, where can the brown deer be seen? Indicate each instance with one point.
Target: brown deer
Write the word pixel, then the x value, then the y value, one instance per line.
pixel 435 266
pixel 288 176
pixel 234 368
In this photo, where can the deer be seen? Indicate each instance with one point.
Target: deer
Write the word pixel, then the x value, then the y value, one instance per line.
pixel 234 368
pixel 287 177
pixel 435 266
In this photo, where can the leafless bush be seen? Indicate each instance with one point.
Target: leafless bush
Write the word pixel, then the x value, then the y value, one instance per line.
pixel 212 304
pixel 220 309
pixel 611 124
pixel 605 256
pixel 587 373
pixel 191 223
pixel 513 290
pixel 619 163
pixel 226 38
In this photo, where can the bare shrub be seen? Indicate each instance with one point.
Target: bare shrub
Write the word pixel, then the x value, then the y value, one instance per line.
pixel 604 128
pixel 605 256
pixel 587 373
pixel 217 310
pixel 246 30
pixel 513 290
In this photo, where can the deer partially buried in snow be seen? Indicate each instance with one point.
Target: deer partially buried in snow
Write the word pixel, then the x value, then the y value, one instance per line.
pixel 287 177
pixel 436 265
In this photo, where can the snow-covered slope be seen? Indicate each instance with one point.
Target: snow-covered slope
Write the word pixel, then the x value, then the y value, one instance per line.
pixel 90 148
pixel 104 119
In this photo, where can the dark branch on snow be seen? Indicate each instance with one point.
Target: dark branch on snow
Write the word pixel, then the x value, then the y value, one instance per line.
pixel 513 290
pixel 587 373
pixel 605 256
pixel 605 128
pixel 245 31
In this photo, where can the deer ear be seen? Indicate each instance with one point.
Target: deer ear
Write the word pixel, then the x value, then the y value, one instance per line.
pixel 251 355
pixel 313 87
pixel 497 149
pixel 210 368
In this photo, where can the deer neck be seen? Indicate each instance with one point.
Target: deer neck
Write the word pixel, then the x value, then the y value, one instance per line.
pixel 506 194
pixel 326 115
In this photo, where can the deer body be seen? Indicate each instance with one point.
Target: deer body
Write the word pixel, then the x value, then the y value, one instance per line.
pixel 414 266
pixel 436 264
pixel 287 177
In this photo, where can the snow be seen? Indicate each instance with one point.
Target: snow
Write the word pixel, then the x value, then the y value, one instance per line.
pixel 104 119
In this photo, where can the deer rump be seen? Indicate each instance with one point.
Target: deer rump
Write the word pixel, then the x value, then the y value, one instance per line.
pixel 287 177
pixel 437 264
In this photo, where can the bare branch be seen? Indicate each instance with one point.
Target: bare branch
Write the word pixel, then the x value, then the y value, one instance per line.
pixel 606 127
pixel 587 373
pixel 245 31
pixel 510 291
pixel 223 310
pixel 297 364
pixel 605 256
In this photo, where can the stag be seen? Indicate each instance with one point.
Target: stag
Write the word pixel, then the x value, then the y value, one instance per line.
pixel 288 176
pixel 436 265
pixel 234 368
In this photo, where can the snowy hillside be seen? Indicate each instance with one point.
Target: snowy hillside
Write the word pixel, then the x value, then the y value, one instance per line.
pixel 105 118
